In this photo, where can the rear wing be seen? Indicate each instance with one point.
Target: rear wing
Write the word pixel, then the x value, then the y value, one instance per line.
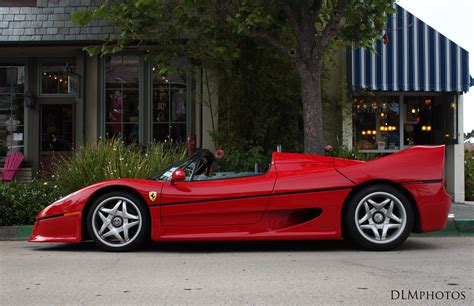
pixel 416 164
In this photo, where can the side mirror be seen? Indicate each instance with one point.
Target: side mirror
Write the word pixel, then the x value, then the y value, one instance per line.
pixel 178 176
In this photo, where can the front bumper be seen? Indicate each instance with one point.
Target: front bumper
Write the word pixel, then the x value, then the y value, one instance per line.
pixel 58 228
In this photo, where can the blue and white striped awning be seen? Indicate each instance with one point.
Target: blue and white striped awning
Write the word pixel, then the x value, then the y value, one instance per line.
pixel 416 58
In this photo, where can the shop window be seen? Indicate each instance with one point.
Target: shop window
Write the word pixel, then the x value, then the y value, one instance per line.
pixel 122 94
pixel 12 122
pixel 430 120
pixel 419 126
pixel 56 78
pixel 451 121
pixel 376 122
pixel 57 126
pixel 170 104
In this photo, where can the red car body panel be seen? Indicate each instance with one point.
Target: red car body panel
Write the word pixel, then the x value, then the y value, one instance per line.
pixel 433 204
pixel 217 202
pixel 58 229
pixel 417 164
pixel 300 197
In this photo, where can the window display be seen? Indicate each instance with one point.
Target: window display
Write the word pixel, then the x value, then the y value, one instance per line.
pixel 12 89
pixel 376 122
pixel 451 122
pixel 169 105
pixel 122 97
pixel 425 120
pixel 418 127
pixel 431 120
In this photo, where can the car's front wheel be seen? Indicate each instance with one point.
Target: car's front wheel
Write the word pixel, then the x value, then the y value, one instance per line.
pixel 379 218
pixel 118 221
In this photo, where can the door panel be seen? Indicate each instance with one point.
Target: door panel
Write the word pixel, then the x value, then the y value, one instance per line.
pixel 307 186
pixel 216 202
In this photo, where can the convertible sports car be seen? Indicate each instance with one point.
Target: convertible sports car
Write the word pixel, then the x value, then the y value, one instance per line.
pixel 377 204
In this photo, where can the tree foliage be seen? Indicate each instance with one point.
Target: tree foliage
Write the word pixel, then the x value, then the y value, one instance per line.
pixel 303 30
pixel 259 103
pixel 468 136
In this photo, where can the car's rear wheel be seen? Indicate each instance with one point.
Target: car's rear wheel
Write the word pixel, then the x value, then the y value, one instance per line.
pixel 118 221
pixel 379 218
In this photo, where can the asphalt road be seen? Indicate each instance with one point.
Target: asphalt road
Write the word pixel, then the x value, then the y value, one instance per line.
pixel 297 273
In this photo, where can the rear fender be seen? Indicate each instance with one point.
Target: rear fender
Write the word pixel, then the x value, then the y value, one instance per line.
pixel 417 164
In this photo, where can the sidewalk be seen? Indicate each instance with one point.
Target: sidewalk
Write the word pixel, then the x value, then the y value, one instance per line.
pixel 462 211
pixel 460 222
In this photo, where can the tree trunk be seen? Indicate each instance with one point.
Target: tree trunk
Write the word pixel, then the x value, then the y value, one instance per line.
pixel 312 108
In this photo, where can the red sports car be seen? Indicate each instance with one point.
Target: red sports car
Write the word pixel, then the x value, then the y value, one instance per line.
pixel 377 204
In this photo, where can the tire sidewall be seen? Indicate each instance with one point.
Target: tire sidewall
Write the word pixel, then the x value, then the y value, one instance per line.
pixel 144 233
pixel 353 231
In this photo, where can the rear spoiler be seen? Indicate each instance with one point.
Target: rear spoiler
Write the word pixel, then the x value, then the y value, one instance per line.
pixel 416 164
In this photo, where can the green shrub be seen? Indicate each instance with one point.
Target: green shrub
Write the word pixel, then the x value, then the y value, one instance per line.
pixel 468 176
pixel 20 202
pixel 342 151
pixel 243 158
pixel 111 159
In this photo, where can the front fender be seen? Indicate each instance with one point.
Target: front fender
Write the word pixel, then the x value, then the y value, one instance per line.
pixel 62 220
pixel 76 201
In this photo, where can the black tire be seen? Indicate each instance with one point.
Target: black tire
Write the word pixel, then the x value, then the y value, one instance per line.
pixel 120 222
pixel 369 234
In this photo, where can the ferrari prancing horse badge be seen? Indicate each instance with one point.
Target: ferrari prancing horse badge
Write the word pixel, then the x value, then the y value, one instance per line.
pixel 152 195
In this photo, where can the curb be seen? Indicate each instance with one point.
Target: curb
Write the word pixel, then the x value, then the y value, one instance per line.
pixel 460 227
pixel 465 226
pixel 454 227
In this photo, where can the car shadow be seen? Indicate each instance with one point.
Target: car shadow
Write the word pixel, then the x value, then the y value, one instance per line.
pixel 241 246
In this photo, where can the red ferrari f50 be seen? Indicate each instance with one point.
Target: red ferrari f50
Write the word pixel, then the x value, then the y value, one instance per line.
pixel 377 204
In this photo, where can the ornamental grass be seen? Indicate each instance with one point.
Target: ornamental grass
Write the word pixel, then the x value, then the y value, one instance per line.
pixel 113 159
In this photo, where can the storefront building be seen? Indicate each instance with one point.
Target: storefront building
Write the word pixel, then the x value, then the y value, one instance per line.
pixel 53 96
pixel 408 92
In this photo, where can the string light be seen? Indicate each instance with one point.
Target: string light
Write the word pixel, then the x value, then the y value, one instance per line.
pixel 389 128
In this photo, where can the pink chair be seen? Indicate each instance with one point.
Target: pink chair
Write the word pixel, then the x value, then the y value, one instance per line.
pixel 11 165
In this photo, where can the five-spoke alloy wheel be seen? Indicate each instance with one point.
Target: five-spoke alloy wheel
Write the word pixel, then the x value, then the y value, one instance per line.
pixel 379 217
pixel 118 221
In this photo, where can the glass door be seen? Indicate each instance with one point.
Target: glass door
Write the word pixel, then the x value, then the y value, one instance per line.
pixel 57 132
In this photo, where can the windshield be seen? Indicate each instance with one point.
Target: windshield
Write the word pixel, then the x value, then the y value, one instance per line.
pixel 187 165
pixel 165 175
pixel 203 166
